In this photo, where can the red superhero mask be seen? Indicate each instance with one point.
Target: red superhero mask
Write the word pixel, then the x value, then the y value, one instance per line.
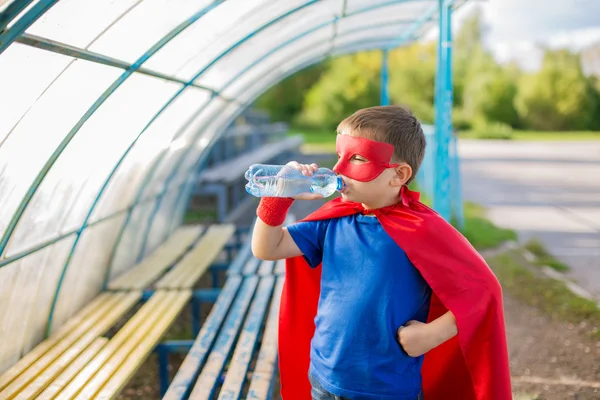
pixel 377 154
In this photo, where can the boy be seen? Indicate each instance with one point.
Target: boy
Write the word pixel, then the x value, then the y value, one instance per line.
pixel 390 282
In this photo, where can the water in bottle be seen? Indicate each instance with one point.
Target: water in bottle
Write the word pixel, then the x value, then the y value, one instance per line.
pixel 285 181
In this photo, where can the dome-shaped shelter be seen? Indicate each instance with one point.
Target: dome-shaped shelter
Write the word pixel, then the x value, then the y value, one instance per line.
pixel 108 109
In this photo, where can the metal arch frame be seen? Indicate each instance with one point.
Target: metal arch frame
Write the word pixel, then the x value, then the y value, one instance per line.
pixel 111 89
pixel 20 26
pixel 416 25
pixel 364 46
pixel 151 170
pixel 67 139
pixel 443 112
pixel 143 201
pixel 84 54
pixel 11 11
pixel 155 48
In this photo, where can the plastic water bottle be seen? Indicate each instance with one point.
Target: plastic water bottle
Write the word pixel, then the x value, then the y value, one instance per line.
pixel 285 181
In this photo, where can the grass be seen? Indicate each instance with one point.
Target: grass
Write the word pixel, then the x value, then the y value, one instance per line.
pixel 322 140
pixel 481 232
pixel 536 247
pixel 519 278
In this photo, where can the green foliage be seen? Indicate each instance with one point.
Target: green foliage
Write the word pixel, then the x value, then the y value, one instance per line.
pixel 285 100
pixel 559 96
pixel 481 232
pixel 489 98
pixel 350 83
pixel 549 295
pixel 493 130
pixel 544 257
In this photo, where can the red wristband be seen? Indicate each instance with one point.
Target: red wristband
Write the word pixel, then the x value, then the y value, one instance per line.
pixel 273 210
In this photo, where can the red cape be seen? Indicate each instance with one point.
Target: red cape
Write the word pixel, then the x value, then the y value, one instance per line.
pixel 472 365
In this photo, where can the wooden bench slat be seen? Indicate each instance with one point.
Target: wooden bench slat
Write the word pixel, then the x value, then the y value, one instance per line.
pixel 195 358
pixel 149 269
pixel 187 272
pixel 240 363
pixel 142 318
pixel 264 371
pixel 279 268
pixel 66 352
pixel 242 257
pixel 251 266
pixel 35 354
pixel 72 345
pixel 140 350
pixel 233 169
pixel 68 374
pixel 266 268
pixel 209 376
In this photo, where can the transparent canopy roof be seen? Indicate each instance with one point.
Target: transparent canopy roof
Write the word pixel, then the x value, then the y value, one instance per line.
pixel 109 107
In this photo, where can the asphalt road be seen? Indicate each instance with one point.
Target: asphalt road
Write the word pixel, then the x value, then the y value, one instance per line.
pixel 548 190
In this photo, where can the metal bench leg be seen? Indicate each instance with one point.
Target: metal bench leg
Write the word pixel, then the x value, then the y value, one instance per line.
pixel 163 367
pixel 195 316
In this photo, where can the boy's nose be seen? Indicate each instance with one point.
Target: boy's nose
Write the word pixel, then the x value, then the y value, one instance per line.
pixel 335 167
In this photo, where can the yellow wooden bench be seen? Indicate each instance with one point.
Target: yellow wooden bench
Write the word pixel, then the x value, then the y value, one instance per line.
pixel 195 263
pixel 240 310
pixel 75 341
pixel 155 264
pixel 78 362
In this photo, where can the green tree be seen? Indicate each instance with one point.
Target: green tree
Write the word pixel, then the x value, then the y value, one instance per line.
pixel 412 79
pixel 351 82
pixel 285 100
pixel 559 96
pixel 489 97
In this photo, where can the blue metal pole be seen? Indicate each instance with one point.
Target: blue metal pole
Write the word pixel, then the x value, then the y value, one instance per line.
pixel 163 367
pixel 443 112
pixel 385 89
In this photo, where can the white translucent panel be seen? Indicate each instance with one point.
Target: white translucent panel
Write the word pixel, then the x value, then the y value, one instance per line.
pixel 158 138
pixel 27 288
pixel 159 230
pixel 209 136
pixel 128 248
pixel 39 133
pixel 64 198
pixel 318 41
pixel 392 33
pixel 22 78
pixel 401 8
pixel 77 22
pixel 278 34
pixel 144 26
pixel 197 37
pixel 181 208
pixel 363 45
pixel 85 274
pixel 170 161
pixel 221 29
pixel 358 22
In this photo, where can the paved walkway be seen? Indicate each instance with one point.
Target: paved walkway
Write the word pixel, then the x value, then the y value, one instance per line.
pixel 548 190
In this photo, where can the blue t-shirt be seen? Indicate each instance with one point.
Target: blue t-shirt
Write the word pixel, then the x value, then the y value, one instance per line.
pixel 369 288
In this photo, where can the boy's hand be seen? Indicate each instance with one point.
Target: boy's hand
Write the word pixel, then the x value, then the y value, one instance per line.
pixel 307 170
pixel 416 338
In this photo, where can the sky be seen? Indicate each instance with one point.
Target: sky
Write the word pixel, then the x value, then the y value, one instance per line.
pixel 517 27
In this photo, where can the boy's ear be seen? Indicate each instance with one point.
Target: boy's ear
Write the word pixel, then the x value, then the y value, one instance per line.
pixel 403 174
